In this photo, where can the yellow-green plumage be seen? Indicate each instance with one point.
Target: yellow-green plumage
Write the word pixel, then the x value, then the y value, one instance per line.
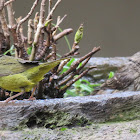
pixel 17 74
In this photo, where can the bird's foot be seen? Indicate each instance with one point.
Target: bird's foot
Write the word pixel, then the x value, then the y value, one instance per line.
pixel 14 96
pixel 32 98
pixel 8 100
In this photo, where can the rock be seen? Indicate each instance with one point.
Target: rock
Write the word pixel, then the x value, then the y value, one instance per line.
pixel 70 111
pixel 104 66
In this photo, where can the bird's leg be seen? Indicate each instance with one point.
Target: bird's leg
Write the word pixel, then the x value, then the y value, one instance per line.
pixel 14 96
pixel 31 97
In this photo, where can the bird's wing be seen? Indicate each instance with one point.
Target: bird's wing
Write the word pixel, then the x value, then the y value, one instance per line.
pixel 10 65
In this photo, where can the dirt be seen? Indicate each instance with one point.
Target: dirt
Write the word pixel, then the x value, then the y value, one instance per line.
pixel 108 131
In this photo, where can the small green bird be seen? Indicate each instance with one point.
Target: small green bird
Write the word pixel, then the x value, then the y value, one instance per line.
pixel 20 75
pixel 79 34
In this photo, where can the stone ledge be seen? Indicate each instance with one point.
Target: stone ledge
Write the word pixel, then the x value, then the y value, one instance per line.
pixel 70 111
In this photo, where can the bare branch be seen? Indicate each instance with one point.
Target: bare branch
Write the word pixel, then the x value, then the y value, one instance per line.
pixel 62 34
pixel 50 5
pixel 8 2
pixel 29 32
pixel 2 4
pixel 36 19
pixel 28 15
pixel 75 79
pixel 4 25
pixel 72 52
pixel 75 64
pixel 61 65
pixel 39 27
pixel 11 17
pixel 53 9
pixel 59 21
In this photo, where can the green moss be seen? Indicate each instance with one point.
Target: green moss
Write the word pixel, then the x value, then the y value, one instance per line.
pixel 133 130
pixel 52 120
pixel 120 132
pixel 126 115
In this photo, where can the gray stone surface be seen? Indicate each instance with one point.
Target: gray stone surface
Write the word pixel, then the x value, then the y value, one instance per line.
pixel 107 131
pixel 104 66
pixel 70 111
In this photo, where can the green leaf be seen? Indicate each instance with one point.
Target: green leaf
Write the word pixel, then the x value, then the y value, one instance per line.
pixel 77 83
pixel 29 50
pixel 95 85
pixel 70 62
pixel 79 65
pixel 71 93
pixel 65 68
pixel 85 81
pixel 63 129
pixel 85 87
pixel 111 74
pixel 11 50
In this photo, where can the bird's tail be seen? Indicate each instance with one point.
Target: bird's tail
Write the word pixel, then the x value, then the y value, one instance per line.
pixel 37 73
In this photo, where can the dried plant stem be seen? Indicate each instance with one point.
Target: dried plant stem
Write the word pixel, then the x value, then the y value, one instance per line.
pixel 38 31
pixel 62 90
pixel 4 26
pixel 61 65
pixel 52 10
pixel 12 25
pixel 30 30
pixel 36 19
pixel 59 21
pixel 27 16
pixel 62 34
pixel 8 2
pixel 72 52
pixel 4 23
pixel 54 51
pixel 2 4
pixel 75 64
pixel 50 5
pixel 76 72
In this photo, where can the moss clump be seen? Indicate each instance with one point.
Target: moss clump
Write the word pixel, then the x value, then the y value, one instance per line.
pixel 53 119
pixel 132 113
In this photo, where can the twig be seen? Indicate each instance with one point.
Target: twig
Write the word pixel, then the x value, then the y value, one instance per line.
pixel 28 15
pixel 62 90
pixel 2 4
pixel 76 72
pixel 59 21
pixel 54 51
pixel 50 5
pixel 4 25
pixel 36 19
pixel 61 65
pixel 11 18
pixel 72 52
pixel 75 64
pixel 48 56
pixel 53 9
pixel 8 2
pixel 30 30
pixel 39 27
pixel 62 34
pixel 12 25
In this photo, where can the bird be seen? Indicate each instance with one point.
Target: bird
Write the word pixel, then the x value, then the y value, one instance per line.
pixel 18 75
pixel 127 77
